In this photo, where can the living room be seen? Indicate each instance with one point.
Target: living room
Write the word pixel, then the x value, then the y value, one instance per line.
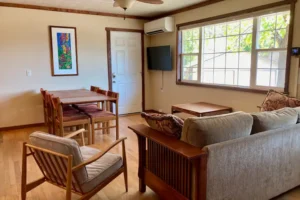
pixel 263 53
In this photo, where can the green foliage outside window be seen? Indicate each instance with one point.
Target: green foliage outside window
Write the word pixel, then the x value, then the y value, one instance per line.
pixel 236 36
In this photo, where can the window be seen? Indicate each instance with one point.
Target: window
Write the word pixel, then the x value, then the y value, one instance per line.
pixel 249 53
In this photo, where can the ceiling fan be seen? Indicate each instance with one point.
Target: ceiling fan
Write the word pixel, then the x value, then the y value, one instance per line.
pixel 125 4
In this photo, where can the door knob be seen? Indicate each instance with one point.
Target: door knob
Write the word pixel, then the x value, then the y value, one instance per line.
pixel 114 81
pixel 113 75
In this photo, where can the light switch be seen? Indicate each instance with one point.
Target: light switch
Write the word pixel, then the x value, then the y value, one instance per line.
pixel 28 72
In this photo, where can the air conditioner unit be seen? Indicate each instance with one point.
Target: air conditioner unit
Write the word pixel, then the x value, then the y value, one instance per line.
pixel 164 25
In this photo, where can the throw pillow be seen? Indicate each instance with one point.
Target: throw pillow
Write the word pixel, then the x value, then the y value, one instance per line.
pixel 166 123
pixel 203 131
pixel 293 102
pixel 265 121
pixel 274 101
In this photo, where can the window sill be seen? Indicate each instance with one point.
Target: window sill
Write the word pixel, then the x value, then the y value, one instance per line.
pixel 223 87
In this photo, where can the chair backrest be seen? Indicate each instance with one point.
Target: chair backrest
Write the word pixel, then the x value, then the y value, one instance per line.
pixel 47 149
pixel 100 91
pixel 50 113
pixel 43 92
pixel 94 88
pixel 56 105
pixel 113 94
pixel 116 102
pixel 57 113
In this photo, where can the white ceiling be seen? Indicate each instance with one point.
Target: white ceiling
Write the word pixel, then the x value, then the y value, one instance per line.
pixel 138 9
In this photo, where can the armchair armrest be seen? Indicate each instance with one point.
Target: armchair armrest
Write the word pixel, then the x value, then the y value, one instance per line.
pixel 188 151
pixel 101 154
pixel 77 133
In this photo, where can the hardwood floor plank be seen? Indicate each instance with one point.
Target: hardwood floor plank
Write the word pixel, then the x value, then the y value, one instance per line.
pixel 10 168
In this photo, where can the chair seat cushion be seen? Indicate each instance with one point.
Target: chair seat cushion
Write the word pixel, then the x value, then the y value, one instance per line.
pixel 100 170
pixel 67 108
pixel 100 114
pixel 87 107
pixel 73 116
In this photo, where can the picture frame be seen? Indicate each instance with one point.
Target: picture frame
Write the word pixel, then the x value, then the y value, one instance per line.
pixel 64 57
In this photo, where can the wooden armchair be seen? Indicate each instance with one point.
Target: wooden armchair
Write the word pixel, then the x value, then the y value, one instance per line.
pixel 81 170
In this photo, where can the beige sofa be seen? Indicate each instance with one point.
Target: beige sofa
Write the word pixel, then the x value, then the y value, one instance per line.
pixel 240 157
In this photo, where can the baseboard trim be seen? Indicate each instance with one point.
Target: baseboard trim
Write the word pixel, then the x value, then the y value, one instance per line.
pixel 21 126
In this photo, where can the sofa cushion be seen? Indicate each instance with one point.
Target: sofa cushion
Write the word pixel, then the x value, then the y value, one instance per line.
pixel 265 121
pixel 203 131
pixel 166 123
pixel 298 110
pixel 276 100
pixel 100 170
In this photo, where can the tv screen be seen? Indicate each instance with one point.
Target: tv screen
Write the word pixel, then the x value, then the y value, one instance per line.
pixel 159 58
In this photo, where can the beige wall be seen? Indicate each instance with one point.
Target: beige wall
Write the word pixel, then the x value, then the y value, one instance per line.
pixel 174 94
pixel 24 44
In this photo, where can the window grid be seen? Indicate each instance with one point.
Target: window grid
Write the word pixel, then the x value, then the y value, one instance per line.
pixel 253 52
pixel 236 80
pixel 189 70
pixel 270 50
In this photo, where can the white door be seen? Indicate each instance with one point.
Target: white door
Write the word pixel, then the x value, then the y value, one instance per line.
pixel 126 58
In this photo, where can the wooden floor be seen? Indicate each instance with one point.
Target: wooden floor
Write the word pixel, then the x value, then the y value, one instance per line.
pixel 10 168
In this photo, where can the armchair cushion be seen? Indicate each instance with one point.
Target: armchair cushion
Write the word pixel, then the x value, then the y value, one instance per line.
pixel 165 123
pixel 203 131
pixel 98 171
pixel 63 146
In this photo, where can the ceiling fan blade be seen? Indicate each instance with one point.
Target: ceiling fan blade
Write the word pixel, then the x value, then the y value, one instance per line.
pixel 116 4
pixel 152 1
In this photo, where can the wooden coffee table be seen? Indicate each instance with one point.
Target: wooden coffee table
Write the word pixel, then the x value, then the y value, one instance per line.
pixel 201 109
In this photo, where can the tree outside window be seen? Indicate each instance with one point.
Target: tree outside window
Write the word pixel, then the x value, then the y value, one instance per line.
pixel 224 53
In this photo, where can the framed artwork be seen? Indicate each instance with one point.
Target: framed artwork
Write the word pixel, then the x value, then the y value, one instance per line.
pixel 63 51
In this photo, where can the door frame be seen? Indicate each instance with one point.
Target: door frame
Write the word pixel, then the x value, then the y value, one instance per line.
pixel 109 63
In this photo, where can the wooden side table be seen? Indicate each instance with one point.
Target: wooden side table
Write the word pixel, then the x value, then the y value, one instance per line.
pixel 201 109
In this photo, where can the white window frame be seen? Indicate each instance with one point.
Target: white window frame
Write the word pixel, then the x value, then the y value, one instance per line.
pixel 254 51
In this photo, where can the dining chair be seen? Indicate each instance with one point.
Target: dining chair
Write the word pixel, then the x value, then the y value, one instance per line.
pixel 63 163
pixel 92 107
pixel 88 105
pixel 94 88
pixel 45 109
pixel 50 114
pixel 105 116
pixel 69 119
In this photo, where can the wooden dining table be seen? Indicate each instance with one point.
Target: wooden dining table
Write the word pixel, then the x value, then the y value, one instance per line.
pixel 80 96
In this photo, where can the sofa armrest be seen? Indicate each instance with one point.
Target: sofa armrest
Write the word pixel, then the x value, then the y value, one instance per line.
pixel 166 162
pixel 186 150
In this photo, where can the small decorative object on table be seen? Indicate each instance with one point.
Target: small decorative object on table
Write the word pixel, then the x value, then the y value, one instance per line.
pixel 63 51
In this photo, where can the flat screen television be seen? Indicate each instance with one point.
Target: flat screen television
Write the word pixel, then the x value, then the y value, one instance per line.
pixel 159 58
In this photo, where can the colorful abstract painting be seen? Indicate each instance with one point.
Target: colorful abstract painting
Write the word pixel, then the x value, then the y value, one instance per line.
pixel 64 50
